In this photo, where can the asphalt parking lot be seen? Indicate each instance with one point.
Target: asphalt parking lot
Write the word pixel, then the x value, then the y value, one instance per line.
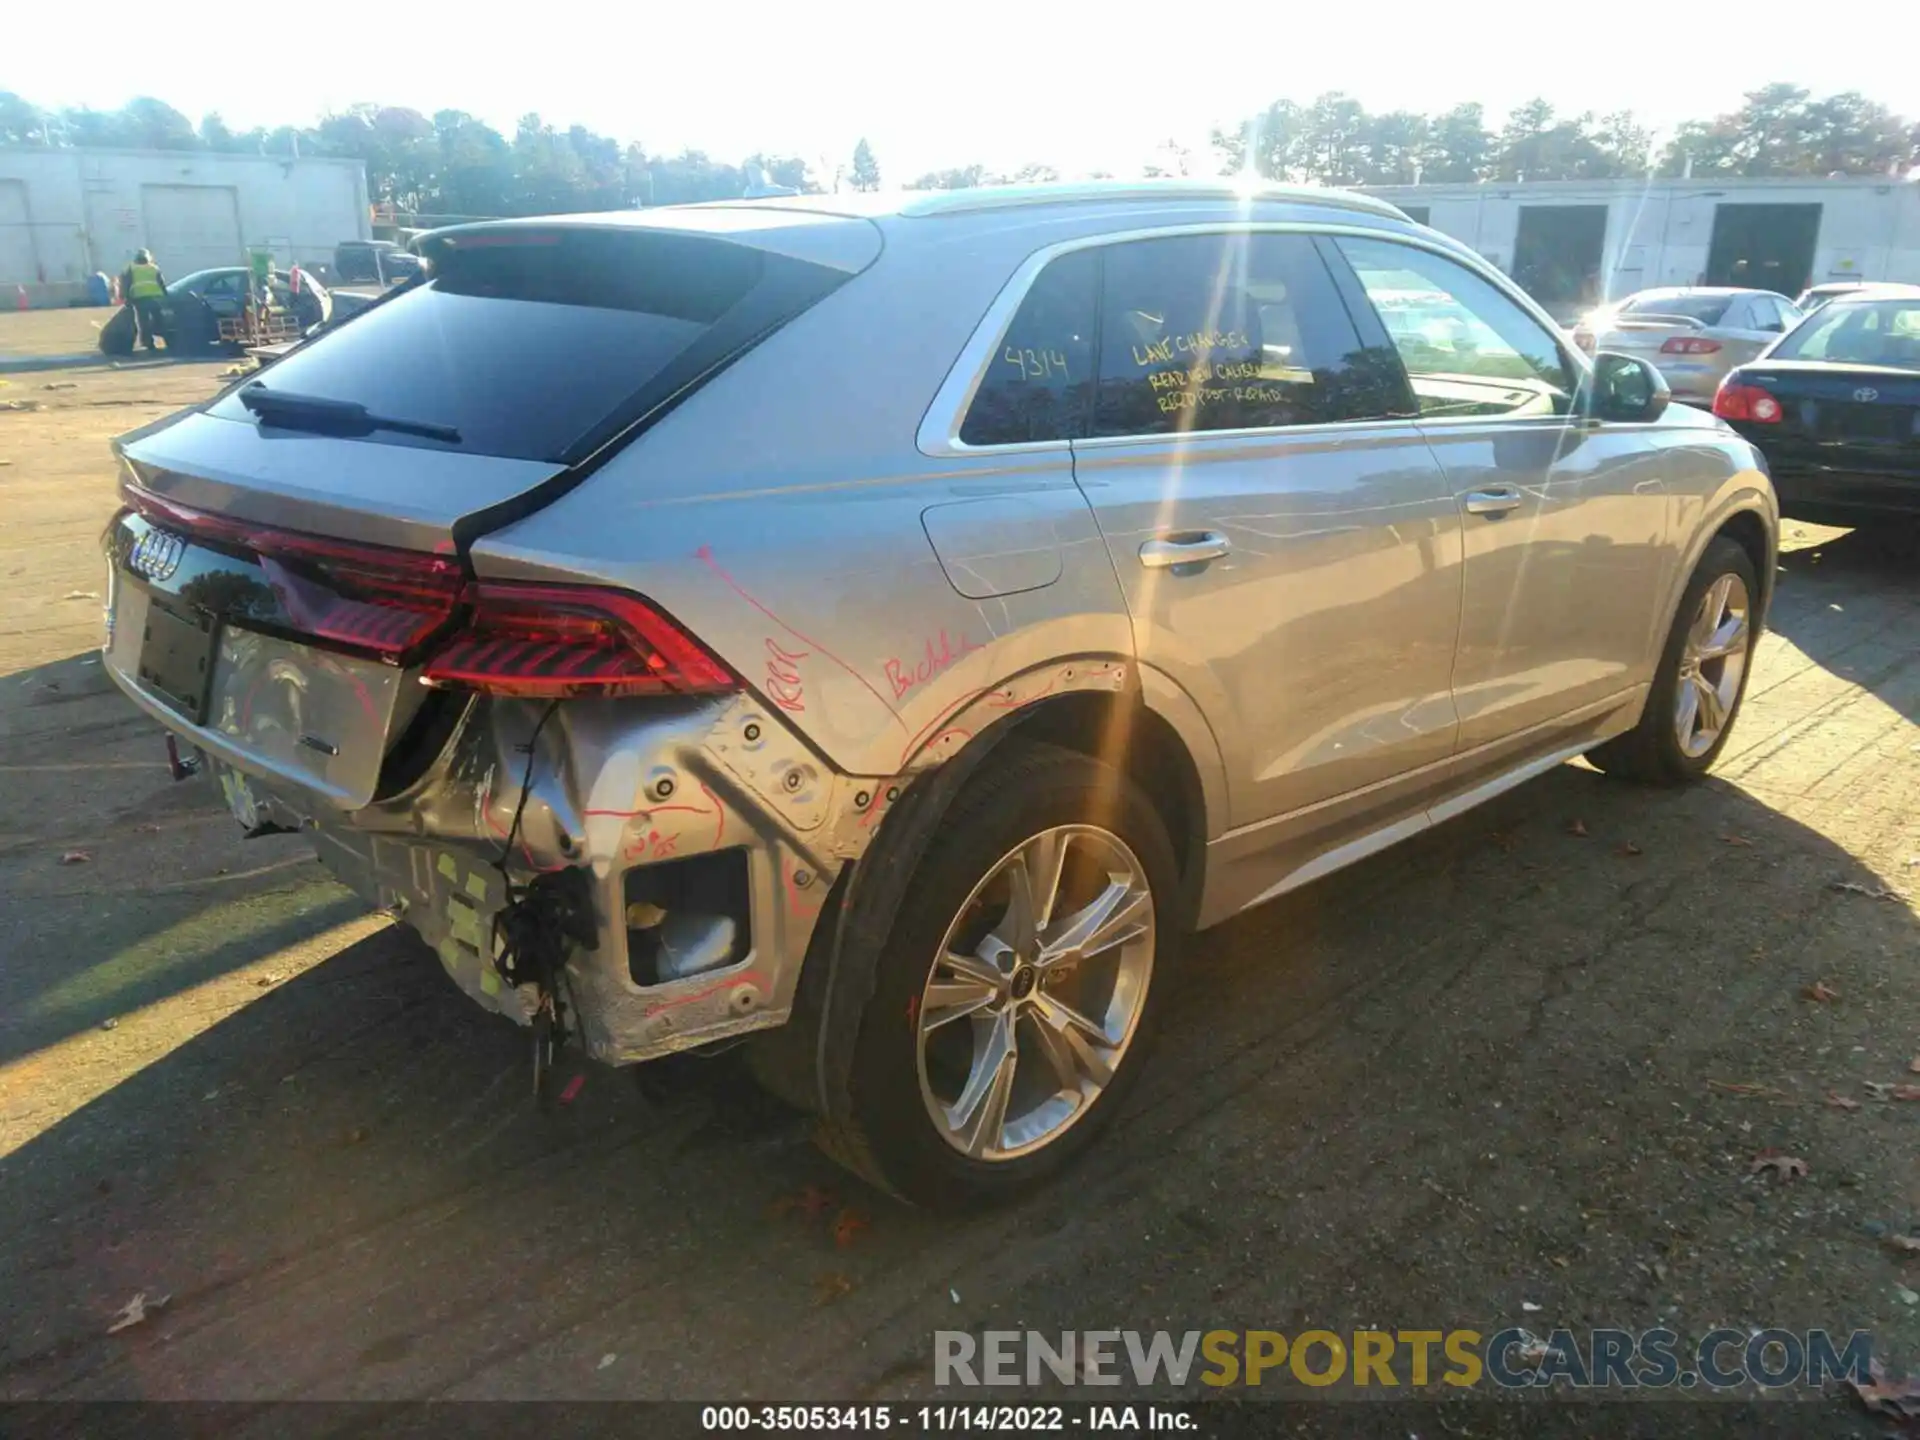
pixel 1517 1071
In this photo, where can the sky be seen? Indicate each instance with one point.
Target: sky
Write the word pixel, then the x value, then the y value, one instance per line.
pixel 1081 87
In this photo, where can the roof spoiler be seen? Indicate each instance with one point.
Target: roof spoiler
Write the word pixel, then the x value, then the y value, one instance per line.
pixel 1649 318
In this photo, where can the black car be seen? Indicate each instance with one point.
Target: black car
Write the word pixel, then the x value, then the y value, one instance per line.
pixel 381 261
pixel 195 305
pixel 1835 408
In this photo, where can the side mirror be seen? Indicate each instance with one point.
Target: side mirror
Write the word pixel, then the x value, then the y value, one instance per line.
pixel 1626 389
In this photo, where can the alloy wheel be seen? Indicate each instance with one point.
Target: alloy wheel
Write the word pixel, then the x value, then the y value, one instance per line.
pixel 1712 663
pixel 1034 997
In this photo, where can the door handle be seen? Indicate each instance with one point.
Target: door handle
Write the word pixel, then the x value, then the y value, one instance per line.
pixel 1495 502
pixel 1191 549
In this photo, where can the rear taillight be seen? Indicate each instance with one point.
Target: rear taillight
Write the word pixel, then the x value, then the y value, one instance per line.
pixel 1736 401
pixel 543 641
pixel 372 597
pixel 1689 345
pixel 553 641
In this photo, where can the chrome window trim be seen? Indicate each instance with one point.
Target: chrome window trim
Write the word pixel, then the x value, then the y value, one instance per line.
pixel 939 432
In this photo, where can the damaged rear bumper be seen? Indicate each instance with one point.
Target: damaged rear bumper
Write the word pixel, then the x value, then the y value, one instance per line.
pixel 701 827
pixel 707 834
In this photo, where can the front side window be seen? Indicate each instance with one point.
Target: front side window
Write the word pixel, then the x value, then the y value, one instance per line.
pixel 1469 350
pixel 1040 378
pixel 1230 332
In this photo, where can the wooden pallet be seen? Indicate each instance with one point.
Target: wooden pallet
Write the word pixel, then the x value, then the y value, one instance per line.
pixel 250 329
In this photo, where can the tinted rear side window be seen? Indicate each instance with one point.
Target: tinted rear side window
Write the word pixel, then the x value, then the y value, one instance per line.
pixel 1039 382
pixel 527 342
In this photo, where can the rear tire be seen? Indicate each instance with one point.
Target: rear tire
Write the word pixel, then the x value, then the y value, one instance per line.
pixel 1702 679
pixel 995 1048
pixel 117 336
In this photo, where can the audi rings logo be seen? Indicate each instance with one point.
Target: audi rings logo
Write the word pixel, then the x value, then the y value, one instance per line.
pixel 157 554
pixel 1866 394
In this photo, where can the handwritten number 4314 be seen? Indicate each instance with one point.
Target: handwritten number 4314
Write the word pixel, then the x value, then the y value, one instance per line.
pixel 1037 364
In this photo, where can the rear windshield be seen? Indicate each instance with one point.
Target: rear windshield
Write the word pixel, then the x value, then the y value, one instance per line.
pixel 1707 309
pixel 527 342
pixel 1853 333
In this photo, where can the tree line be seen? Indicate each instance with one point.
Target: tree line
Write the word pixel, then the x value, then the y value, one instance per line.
pixel 454 164
pixel 1779 130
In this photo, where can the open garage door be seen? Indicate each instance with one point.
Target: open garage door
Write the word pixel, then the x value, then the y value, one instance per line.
pixel 1557 255
pixel 18 263
pixel 191 227
pixel 1767 247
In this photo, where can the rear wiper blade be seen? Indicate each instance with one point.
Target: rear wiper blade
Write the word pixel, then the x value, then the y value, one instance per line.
pixel 292 411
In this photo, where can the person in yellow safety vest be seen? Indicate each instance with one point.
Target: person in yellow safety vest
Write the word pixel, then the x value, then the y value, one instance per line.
pixel 143 287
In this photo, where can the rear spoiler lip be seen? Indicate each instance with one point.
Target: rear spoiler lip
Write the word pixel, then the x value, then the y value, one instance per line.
pixel 226 467
pixel 1652 319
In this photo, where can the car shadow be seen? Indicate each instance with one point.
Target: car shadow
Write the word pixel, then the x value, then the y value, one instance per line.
pixel 1849 603
pixel 344 1189
pixel 1561 1026
pixel 118 887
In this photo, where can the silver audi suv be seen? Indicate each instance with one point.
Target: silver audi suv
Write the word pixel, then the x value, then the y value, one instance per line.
pixel 876 631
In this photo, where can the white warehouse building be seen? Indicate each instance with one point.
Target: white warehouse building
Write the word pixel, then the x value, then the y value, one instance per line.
pixel 1574 243
pixel 65 214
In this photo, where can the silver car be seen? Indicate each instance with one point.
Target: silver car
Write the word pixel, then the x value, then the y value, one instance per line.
pixel 1815 296
pixel 879 630
pixel 1693 335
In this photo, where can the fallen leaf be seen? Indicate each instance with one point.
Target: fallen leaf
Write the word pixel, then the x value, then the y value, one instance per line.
pixel 1913 1066
pixel 1578 827
pixel 605 1361
pixel 1904 1092
pixel 829 1288
pixel 1628 849
pixel 1851 887
pixel 1743 1087
pixel 1878 1090
pixel 356 1135
pixel 850 1224
pixel 135 1312
pixel 1899 1398
pixel 1735 840
pixel 1841 1102
pixel 1784 1167
pixel 110 1023
pixel 1819 990
pixel 75 857
pixel 1905 1244
pixel 265 980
